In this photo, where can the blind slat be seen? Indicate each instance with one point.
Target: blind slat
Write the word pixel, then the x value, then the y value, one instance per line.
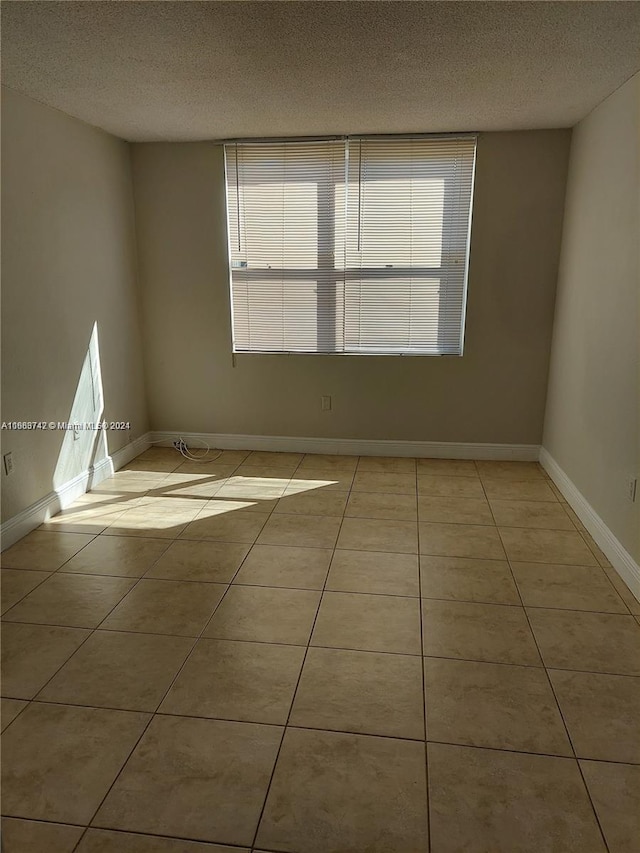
pixel 350 245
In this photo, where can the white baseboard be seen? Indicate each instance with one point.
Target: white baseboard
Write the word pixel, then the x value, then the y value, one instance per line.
pixel 612 548
pixel 353 446
pixel 40 511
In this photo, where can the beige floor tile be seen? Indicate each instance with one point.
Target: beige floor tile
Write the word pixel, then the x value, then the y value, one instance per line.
pixel 181 608
pixel 265 615
pixel 125 476
pixel 260 505
pixel 495 633
pixel 202 779
pixel 615 793
pixel 388 484
pixel 596 642
pixel 465 579
pixel 212 562
pixel 379 505
pixel 314 502
pixel 251 682
pixel 374 572
pixel 566 587
pixel 377 623
pixel 281 565
pixel 16 583
pixel 454 510
pixel 31 654
pixel 346 792
pixel 216 468
pixel 80 601
pixel 591 543
pixel 9 710
pixel 85 518
pixel 163 502
pixel 327 462
pixel 244 486
pixel 192 477
pixel 95 501
pixel 546 546
pixel 312 531
pixel 115 670
pixel 43 550
pixel 82 750
pixel 623 590
pixel 460 540
pixel 387 464
pixel 31 836
pixel 117 555
pixel 493 705
pixel 601 713
pixel 483 800
pixel 498 470
pixel 448 467
pixel 519 490
pixel 313 478
pixel 231 457
pixel 366 692
pixel 233 526
pixel 442 486
pixel 367 534
pixel 271 459
pixel 191 486
pixel 160 516
pixel 155 464
pixel 150 523
pixel 548 515
pixel 105 841
pixel 556 491
pixel 259 476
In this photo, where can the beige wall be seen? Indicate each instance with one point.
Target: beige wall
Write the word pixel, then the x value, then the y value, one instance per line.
pixel 68 262
pixel 495 393
pixel 592 426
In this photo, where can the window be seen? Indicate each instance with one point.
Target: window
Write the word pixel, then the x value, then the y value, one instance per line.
pixel 356 245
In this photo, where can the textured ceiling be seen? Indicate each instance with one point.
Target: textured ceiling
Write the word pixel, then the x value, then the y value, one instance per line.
pixel 207 70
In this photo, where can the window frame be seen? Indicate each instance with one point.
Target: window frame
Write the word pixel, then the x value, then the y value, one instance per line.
pixel 323 300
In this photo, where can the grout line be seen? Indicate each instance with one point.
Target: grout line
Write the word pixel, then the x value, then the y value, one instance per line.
pixel 49 574
pixel 424 690
pixel 295 691
pixel 553 693
pixel 154 713
pixel 176 579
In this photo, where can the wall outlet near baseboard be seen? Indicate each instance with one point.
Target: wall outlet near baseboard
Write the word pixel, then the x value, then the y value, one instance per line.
pixel 8 463
pixel 632 488
pixel 325 403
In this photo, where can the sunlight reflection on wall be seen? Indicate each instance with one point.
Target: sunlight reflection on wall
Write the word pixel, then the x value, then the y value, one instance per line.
pixel 83 448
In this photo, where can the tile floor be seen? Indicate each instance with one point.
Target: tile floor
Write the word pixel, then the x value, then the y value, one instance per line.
pixel 318 654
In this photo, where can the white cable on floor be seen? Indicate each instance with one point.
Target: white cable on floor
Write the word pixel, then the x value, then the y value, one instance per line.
pixel 181 445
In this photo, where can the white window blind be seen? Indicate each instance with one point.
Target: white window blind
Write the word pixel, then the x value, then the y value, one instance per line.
pixel 356 245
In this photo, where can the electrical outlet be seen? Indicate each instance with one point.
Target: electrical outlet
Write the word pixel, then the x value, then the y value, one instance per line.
pixel 325 404
pixel 8 463
pixel 632 488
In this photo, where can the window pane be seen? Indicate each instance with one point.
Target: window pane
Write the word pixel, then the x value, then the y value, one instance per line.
pixel 357 245
pixel 280 224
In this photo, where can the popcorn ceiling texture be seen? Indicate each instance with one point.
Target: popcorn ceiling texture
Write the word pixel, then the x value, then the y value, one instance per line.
pixel 170 71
